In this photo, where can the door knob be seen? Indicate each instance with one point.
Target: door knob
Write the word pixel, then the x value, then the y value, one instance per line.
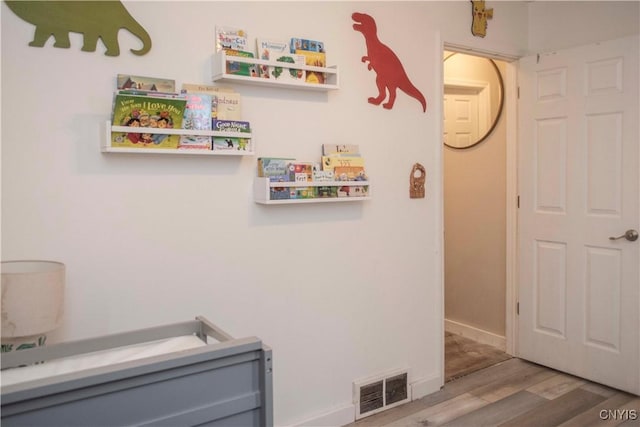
pixel 630 235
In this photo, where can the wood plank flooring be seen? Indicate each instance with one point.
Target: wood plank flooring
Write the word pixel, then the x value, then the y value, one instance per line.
pixel 514 393
pixel 463 356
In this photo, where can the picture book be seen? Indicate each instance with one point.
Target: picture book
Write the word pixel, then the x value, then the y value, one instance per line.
pixel 231 126
pixel 353 191
pixel 230 108
pixel 140 112
pixel 302 192
pixel 345 168
pixel 208 89
pixel 300 172
pixel 323 176
pixel 340 149
pixel 241 68
pixel 152 93
pixel 226 106
pixel 326 191
pixel 279 51
pixel 231 143
pixel 231 38
pixel 274 167
pixel 315 59
pixel 156 84
pixel 304 44
pixel 197 116
pixel 279 193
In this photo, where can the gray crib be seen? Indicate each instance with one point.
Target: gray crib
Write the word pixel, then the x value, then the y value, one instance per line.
pixel 226 383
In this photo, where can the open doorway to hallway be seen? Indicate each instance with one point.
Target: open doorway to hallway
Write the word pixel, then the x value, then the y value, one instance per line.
pixel 475 183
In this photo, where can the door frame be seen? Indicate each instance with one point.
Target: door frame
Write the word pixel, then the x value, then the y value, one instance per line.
pixel 511 115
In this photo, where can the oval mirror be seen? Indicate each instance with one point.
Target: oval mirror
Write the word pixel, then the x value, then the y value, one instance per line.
pixel 473 99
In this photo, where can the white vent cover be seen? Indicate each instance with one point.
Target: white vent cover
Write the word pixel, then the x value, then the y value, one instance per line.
pixel 381 392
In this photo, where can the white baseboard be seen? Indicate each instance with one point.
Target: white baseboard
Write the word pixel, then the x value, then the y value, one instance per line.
pixel 334 418
pixel 475 334
pixel 425 386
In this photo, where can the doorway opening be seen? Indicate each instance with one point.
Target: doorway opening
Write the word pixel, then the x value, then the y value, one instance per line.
pixel 475 213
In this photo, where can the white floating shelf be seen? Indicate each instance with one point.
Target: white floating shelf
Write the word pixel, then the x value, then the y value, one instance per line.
pixel 262 187
pixel 220 74
pixel 107 148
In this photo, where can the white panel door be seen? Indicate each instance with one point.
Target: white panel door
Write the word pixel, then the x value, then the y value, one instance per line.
pixel 461 117
pixel 578 160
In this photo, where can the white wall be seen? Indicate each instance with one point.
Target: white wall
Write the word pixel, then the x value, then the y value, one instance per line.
pixel 563 24
pixel 339 291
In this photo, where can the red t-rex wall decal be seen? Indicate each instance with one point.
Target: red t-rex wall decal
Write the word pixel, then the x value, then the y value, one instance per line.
pixel 390 72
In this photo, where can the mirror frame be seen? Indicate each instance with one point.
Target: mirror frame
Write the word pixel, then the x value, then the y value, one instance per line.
pixel 500 105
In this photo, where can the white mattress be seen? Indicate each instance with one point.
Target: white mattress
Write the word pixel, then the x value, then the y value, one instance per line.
pixel 97 359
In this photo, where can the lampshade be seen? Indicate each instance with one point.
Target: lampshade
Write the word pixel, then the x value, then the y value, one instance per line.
pixel 32 297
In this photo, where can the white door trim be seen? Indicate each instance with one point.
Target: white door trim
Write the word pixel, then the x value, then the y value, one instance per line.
pixel 511 111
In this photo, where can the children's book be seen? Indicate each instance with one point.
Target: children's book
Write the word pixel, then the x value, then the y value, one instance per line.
pixel 155 84
pixel 345 168
pixel 326 191
pixel 316 59
pixel 197 116
pixel 208 89
pixel 240 68
pixel 302 192
pixel 274 167
pixel 231 126
pixel 340 149
pixel 279 51
pixel 231 38
pixel 231 143
pixel 143 114
pixel 300 172
pixel 305 44
pixel 227 106
pixel 214 91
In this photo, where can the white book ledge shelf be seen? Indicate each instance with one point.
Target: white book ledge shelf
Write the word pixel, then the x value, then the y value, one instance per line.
pixel 220 73
pixel 107 148
pixel 262 190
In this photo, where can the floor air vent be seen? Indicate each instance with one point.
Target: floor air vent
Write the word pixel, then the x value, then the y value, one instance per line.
pixel 376 394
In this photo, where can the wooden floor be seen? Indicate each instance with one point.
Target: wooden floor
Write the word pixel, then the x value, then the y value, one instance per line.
pixel 463 356
pixel 513 393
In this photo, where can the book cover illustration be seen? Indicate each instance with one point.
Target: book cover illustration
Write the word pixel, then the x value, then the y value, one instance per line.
pixel 274 167
pixel 226 106
pixel 345 168
pixel 315 59
pixel 328 191
pixel 233 103
pixel 239 68
pixel 279 51
pixel 231 126
pixel 302 192
pixel 197 116
pixel 300 172
pixel 139 112
pixel 154 84
pixel 279 193
pixel 353 191
pixel 231 143
pixel 231 38
pixel 305 44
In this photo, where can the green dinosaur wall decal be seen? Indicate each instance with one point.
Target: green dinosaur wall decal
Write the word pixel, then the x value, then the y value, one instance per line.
pixel 94 19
